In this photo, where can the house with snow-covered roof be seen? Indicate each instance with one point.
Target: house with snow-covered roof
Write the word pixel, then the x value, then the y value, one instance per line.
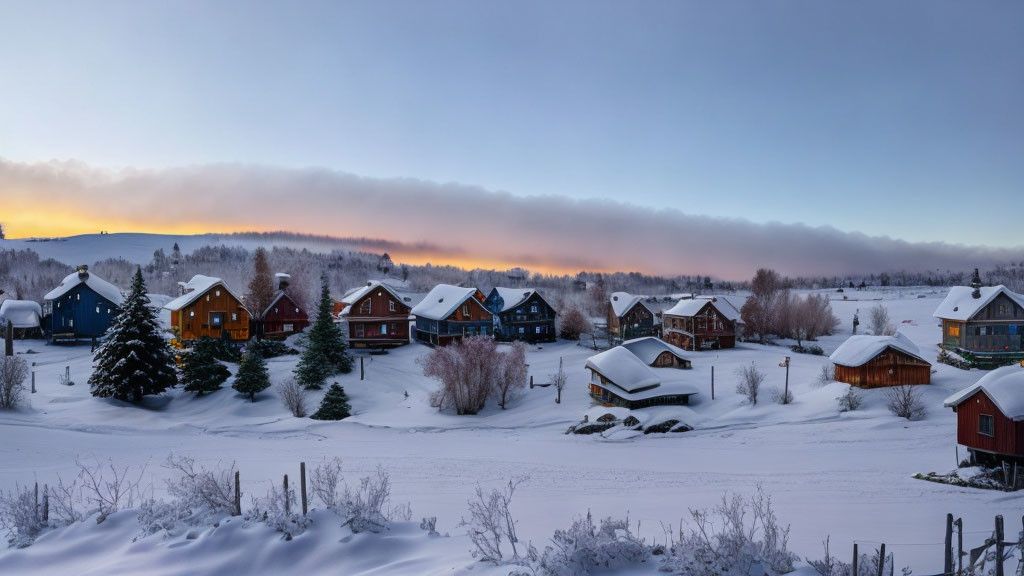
pixel 656 352
pixel 631 316
pixel 83 305
pixel 521 314
pixel 990 416
pixel 702 323
pixel 984 324
pixel 24 316
pixel 377 314
pixel 283 316
pixel 449 313
pixel 208 307
pixel 879 361
pixel 620 378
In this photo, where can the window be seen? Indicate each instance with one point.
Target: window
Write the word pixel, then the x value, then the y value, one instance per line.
pixel 97 308
pixel 391 305
pixel 522 330
pixel 383 329
pixel 540 329
pixel 366 307
pixel 954 330
pixel 465 310
pixel 234 317
pixel 1002 309
pixel 360 331
pixel 191 313
pixel 216 319
pixel 71 322
pixel 289 327
pixel 986 426
pixel 533 308
pixel 78 297
pixel 217 293
pixel 207 297
pixel 296 310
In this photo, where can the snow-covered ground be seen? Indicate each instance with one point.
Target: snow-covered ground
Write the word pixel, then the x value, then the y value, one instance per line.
pixel 845 475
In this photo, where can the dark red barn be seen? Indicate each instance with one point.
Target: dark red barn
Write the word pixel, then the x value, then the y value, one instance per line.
pixel 990 416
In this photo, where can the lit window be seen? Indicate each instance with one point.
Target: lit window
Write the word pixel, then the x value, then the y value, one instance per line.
pixel 275 309
pixel 366 307
pixel 217 292
pixel 296 310
pixel 97 308
pixel 71 322
pixel 384 329
pixel 289 327
pixel 465 310
pixel 191 313
pixel 986 425
pixel 207 297
pixel 954 330
pixel 522 330
pixel 234 316
pixel 78 296
pixel 539 330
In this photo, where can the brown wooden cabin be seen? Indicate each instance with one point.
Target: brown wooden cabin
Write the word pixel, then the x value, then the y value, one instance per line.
pixel 207 307
pixel 880 361
pixel 284 317
pixel 701 324
pixel 983 324
pixel 448 314
pixel 629 317
pixel 378 315
pixel 990 417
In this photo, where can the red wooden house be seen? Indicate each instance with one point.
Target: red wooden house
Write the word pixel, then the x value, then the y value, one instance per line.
pixel 378 315
pixel 701 324
pixel 284 317
pixel 990 416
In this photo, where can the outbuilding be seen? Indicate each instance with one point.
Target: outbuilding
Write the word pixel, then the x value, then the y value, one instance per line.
pixel 619 378
pixel 83 305
pixel 880 361
pixel 23 315
pixel 990 416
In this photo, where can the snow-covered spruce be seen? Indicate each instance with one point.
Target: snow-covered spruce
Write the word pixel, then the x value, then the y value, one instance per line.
pixel 200 370
pixel 252 377
pixel 326 352
pixel 134 359
pixel 334 405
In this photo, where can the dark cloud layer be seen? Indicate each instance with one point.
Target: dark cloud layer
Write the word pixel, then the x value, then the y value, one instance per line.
pixel 462 223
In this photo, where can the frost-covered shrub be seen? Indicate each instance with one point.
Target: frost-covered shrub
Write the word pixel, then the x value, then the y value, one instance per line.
pixel 365 506
pixel 906 402
pixel 473 369
pixel 325 483
pixel 277 510
pixel 156 516
pixel 827 374
pixel 661 427
pixel 850 401
pixel 750 380
pixel 105 488
pixel 430 525
pixel 293 396
pixel 204 492
pixel 949 359
pixel 782 396
pixel 490 524
pixel 583 547
pixel 21 516
pixel 739 537
pixel 13 372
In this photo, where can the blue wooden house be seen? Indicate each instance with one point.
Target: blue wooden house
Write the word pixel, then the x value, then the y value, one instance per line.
pixel 449 313
pixel 82 306
pixel 521 314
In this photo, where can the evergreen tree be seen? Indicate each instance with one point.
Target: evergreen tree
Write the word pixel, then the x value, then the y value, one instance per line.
pixel 201 372
pixel 252 377
pixel 334 406
pixel 134 360
pixel 326 352
pixel 260 292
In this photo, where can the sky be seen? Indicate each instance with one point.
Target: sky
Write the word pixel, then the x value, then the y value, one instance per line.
pixel 868 121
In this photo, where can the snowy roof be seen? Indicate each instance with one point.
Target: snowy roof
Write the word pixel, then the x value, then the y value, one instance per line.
pixel 858 350
pixel 440 302
pixel 94 282
pixel 1004 386
pixel 623 368
pixel 648 349
pixel 20 313
pixel 280 294
pixel 198 286
pixel 408 298
pixel 692 307
pixel 623 301
pixel 672 388
pixel 960 304
pixel 512 297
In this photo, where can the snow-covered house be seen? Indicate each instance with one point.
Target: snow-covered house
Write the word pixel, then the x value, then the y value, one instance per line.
pixel 990 416
pixel 619 378
pixel 656 352
pixel 207 307
pixel 377 314
pixel 25 317
pixel 448 313
pixel 702 323
pixel 877 361
pixel 984 324
pixel 521 314
pixel 83 305
pixel 631 316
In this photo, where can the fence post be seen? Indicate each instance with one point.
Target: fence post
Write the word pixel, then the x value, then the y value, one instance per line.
pixel 362 370
pixel 947 566
pixel 37 500
pixel 287 505
pixel 713 387
pixel 959 546
pixel 302 477
pixel 881 561
pixel 999 545
pixel 856 558
pixel 238 496
pixel 46 503
pixel 33 382
pixel 531 381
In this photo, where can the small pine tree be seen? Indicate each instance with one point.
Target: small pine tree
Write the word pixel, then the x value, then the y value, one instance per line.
pixel 326 352
pixel 252 377
pixel 260 292
pixel 334 405
pixel 201 372
pixel 134 360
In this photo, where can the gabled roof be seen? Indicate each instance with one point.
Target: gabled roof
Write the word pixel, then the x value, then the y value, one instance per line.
pixel 1003 386
pixel 859 350
pixel 440 302
pixel 960 304
pixel 648 349
pixel 198 285
pixel 20 313
pixel 622 302
pixel 624 369
pixel 94 282
pixel 410 299
pixel 513 297
pixel 692 307
pixel 280 294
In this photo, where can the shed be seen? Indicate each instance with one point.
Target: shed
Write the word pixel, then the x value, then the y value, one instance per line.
pixel 990 416
pixel 879 361
pixel 620 378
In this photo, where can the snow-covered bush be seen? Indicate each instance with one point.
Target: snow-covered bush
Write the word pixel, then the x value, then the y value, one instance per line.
pixel 750 380
pixel 13 372
pixel 723 543
pixel 325 483
pixel 850 401
pixel 277 510
pixel 906 402
pixel 204 492
pixel 365 507
pixel 949 359
pixel 471 370
pixel 511 375
pixel 866 565
pixel 827 374
pixel 490 524
pixel 293 397
pixel 572 322
pixel 879 323
pixel 21 516
pixel 583 547
pixel 105 493
pixel 782 395
pixel 430 526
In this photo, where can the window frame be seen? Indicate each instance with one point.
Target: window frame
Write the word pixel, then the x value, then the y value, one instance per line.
pixel 992 425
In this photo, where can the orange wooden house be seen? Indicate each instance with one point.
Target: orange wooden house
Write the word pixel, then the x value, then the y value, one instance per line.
pixel 207 307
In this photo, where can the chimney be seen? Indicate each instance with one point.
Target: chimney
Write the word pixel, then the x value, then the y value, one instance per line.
pixel 83 271
pixel 282 280
pixel 182 289
pixel 976 284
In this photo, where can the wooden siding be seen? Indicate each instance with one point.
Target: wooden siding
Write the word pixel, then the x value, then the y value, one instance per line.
pixel 196 320
pixel 470 318
pixel 709 329
pixel 996 328
pixel 373 324
pixel 1007 438
pixel 522 323
pixel 637 322
pixel 285 317
pixel 890 368
pixel 82 312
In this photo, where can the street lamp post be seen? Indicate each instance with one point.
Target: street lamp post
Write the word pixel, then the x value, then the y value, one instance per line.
pixel 785 393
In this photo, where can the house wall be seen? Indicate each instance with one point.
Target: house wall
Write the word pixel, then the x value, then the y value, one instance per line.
pixel 82 312
pixel 378 319
pixel 1008 437
pixel 283 314
pixel 998 327
pixel 890 368
pixel 195 320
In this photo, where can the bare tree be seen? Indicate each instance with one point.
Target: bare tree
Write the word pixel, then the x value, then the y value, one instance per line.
pixel 13 372
pixel 491 523
pixel 906 402
pixel 293 397
pixel 559 380
pixel 761 311
pixel 880 324
pixel 512 374
pixel 260 292
pixel 572 322
pixel 325 481
pixel 467 372
pixel 750 380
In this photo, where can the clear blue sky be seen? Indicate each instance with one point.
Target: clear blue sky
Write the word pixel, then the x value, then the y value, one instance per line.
pixel 880 117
